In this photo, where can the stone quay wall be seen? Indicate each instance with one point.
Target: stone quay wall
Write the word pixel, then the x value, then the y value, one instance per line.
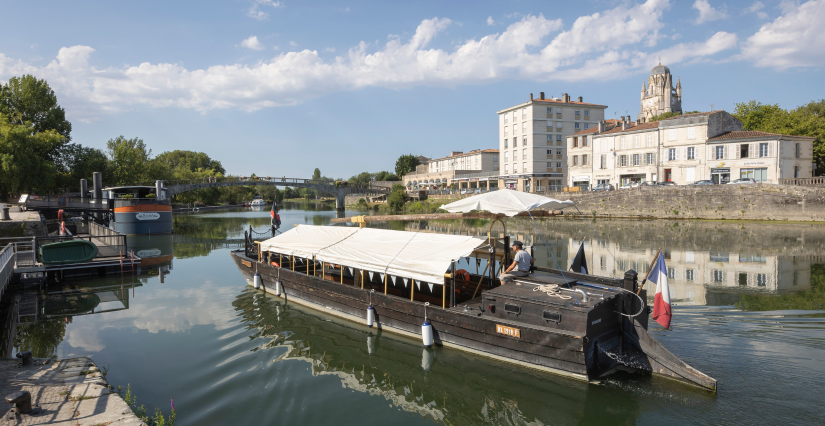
pixel 730 202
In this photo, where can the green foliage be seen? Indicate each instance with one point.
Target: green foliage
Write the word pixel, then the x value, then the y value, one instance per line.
pixel 386 176
pixel 398 187
pixel 130 161
pixel 316 175
pixel 406 164
pixel 31 102
pixel 397 199
pixel 140 411
pixel 77 162
pixel 25 158
pixel 41 338
pixel 361 180
pixel 181 162
pixel 807 120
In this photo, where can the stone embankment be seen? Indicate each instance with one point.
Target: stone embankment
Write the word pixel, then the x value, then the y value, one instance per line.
pixel 70 392
pixel 23 224
pixel 730 202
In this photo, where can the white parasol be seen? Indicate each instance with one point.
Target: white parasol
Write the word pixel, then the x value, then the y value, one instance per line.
pixel 506 201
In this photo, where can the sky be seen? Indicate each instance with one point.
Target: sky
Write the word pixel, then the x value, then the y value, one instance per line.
pixel 278 88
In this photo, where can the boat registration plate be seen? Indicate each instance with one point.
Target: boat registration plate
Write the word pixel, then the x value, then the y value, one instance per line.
pixel 509 331
pixel 246 263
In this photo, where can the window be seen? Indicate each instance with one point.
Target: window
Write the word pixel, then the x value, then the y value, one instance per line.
pixel 718 276
pixel 558 110
pixel 622 143
pixel 549 111
pixel 524 113
pixel 558 164
pixel 549 138
pixel 691 133
pixel 523 154
pixel 587 113
pixel 515 155
pixel 584 141
pixel 622 161
pixel 718 256
pixel 691 153
pixel 506 130
pixel 603 162
pixel 495 158
pixel 515 167
pixel 506 156
pixel 671 154
pixel 514 129
pixel 549 126
pixel 505 142
pixel 558 152
pixel 515 142
pixel 763 149
pixel 549 152
pixel 689 274
pixel 761 280
pixel 578 112
pixel 575 142
pixel 584 159
pixel 671 273
pixel 575 160
pixel 558 138
pixel 720 153
pixel 586 125
pixel 649 156
pixel 649 140
pixel 506 167
pixel 524 167
pixel 635 141
pixel 524 126
pixel 743 150
pixel 506 119
pixel 759 175
pixel 524 140
pixel 636 159
pixel 549 164
pixel 578 126
pixel 796 151
pixel 671 134
pixel 796 171
pixel 515 116
pixel 743 279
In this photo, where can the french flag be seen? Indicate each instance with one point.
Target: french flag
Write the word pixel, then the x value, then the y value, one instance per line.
pixel 661 302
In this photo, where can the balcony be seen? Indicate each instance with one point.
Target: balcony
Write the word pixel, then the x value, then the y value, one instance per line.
pixel 550 115
pixel 558 115
pixel 558 129
pixel 578 117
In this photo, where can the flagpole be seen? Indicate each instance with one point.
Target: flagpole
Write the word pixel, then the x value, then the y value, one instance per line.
pixel 577 253
pixel 648 271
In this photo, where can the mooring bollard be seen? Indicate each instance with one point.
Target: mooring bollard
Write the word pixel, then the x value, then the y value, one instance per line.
pixel 26 357
pixel 4 212
pixel 22 401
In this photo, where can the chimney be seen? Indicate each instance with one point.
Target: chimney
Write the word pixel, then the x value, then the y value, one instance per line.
pixel 565 97
pixel 580 99
pixel 531 97
pixel 624 125
pixel 638 121
pixel 628 119
pixel 541 95
pixel 601 126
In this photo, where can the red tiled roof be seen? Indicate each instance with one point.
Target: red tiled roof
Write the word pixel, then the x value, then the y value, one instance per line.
pixel 696 114
pixel 586 131
pixel 633 127
pixel 559 101
pixel 750 135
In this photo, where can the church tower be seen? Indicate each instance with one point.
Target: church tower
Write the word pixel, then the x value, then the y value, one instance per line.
pixel 660 96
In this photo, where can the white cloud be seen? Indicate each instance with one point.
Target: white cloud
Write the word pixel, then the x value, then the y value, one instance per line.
pixel 329 49
pixel 795 39
pixel 293 44
pixel 490 21
pixel 756 8
pixel 707 13
pixel 253 43
pixel 255 11
pixel 604 46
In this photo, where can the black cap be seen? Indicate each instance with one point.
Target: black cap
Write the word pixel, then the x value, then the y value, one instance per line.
pixel 518 243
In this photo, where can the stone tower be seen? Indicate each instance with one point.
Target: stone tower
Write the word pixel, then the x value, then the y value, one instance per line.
pixel 658 94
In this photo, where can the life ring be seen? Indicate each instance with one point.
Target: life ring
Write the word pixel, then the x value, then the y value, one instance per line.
pixel 462 274
pixel 275 264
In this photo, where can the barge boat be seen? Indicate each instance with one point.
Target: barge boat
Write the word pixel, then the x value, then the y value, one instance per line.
pixel 577 325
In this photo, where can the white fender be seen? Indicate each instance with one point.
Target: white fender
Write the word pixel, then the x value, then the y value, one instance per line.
pixel 370 316
pixel 256 281
pixel 278 288
pixel 427 333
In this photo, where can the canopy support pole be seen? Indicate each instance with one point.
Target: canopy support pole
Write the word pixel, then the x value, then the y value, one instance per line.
pixel 323 271
pixel 412 290
pixel 314 267
pixel 362 279
pixel 385 283
pixel 292 261
pixel 342 274
pixel 444 296
pixel 479 281
pixel 280 260
pixel 307 266
pixel 452 284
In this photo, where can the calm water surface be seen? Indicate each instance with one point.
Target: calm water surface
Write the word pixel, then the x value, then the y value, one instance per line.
pixel 749 312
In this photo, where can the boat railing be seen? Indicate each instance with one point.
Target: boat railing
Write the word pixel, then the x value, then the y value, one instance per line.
pixel 127 202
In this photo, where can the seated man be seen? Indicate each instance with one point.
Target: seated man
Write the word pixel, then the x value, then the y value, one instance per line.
pixel 521 264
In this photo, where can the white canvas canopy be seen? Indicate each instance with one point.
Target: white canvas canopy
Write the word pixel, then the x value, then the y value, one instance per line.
pixel 423 257
pixel 505 201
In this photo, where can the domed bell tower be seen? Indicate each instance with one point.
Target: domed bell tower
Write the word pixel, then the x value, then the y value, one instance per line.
pixel 659 96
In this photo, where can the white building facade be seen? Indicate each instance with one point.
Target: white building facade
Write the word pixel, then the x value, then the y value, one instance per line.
pixel 683 150
pixel 455 168
pixel 532 140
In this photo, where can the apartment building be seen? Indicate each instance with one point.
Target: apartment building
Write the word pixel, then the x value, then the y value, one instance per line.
pixel 453 168
pixel 532 138
pixel 684 149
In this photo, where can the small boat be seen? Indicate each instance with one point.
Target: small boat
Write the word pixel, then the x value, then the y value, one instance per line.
pixel 258 201
pixel 67 252
pixel 573 324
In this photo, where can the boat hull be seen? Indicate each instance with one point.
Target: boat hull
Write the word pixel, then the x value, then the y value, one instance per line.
pixel 143 219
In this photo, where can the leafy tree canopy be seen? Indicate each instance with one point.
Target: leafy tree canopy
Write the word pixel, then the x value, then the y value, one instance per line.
pixel 22 163
pixel 188 160
pixel 130 161
pixel 27 99
pixel 80 162
pixel 386 176
pixel 406 164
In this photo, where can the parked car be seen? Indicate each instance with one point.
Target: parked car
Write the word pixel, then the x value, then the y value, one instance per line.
pixel 463 191
pixel 604 187
pixel 742 181
pixel 703 182
pixel 668 183
pixel 648 183
pixel 477 191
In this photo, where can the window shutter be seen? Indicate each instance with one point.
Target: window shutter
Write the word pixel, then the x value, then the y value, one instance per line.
pixel 677 154
pixel 725 152
pixel 770 149
pixel 738 151
pixel 684 153
pixel 752 151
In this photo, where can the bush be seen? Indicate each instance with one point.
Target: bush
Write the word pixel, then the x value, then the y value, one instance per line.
pixel 150 195
pixel 397 199
pixel 126 197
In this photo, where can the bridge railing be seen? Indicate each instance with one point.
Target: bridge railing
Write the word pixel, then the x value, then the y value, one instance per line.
pixel 812 181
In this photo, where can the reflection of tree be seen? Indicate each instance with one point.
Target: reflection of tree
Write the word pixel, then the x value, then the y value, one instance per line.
pixel 813 299
pixel 41 338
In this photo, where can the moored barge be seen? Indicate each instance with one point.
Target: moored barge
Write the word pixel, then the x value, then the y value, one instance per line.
pixel 577 325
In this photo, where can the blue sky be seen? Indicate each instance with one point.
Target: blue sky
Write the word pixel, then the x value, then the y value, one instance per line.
pixel 279 88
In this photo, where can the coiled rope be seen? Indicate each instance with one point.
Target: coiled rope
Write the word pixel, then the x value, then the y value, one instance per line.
pixel 551 290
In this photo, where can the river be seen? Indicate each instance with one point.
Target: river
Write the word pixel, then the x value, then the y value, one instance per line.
pixel 749 310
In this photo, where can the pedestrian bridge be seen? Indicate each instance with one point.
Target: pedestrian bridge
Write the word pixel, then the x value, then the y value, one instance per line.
pixel 340 191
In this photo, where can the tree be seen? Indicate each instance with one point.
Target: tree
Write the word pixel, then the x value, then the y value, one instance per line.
pixel 23 164
pixel 406 164
pixel 80 162
pixel 361 180
pixel 316 175
pixel 180 160
pixel 130 160
pixel 386 176
pixel 27 99
pixel 397 199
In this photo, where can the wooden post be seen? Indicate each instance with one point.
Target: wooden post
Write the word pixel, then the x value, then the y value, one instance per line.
pixel 292 261
pixel 281 260
pixel 362 279
pixel 412 290
pixel 314 268
pixel 342 274
pixel 323 271
pixel 385 283
pixel 452 284
pixel 655 258
pixel 492 264
pixel 444 296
